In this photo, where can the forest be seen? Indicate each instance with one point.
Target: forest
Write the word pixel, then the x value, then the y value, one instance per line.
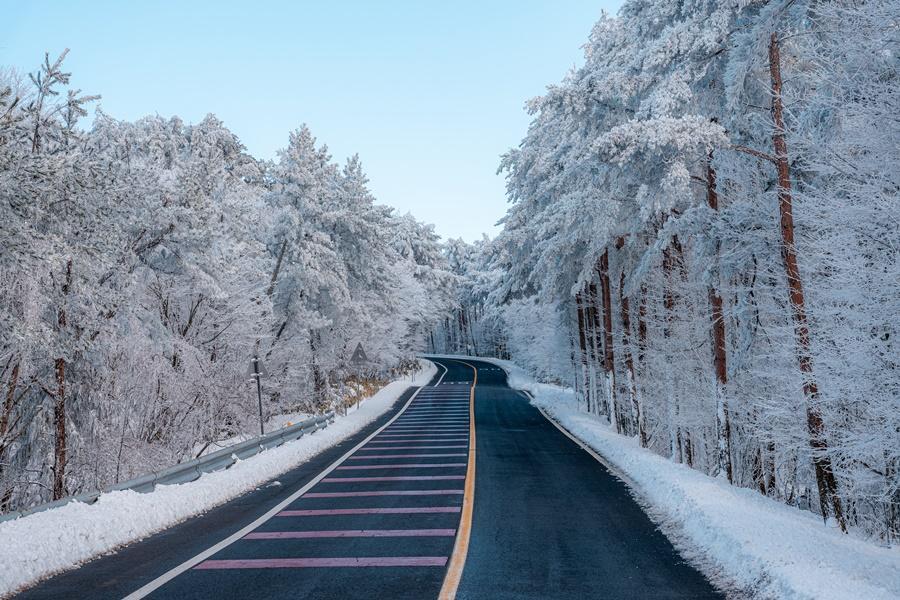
pixel 143 264
pixel 703 240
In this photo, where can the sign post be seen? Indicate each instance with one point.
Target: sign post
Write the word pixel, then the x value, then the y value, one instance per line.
pixel 256 372
pixel 358 359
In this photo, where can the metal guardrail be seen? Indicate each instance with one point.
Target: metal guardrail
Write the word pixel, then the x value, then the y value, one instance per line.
pixel 192 469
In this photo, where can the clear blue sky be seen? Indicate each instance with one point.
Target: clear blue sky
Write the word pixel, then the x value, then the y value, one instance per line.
pixel 428 93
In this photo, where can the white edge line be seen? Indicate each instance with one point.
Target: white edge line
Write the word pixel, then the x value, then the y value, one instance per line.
pixel 168 576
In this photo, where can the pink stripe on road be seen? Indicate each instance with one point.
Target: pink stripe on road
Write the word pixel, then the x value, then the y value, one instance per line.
pixel 445 415
pixel 328 512
pixel 427 429
pixel 460 455
pixel 430 425
pixel 412 433
pixel 412 437
pixel 412 447
pixel 402 438
pixel 349 533
pixel 434 421
pixel 403 478
pixel 300 563
pixel 417 440
pixel 461 423
pixel 383 493
pixel 426 466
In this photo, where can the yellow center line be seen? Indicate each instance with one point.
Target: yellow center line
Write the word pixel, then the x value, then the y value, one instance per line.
pixel 461 546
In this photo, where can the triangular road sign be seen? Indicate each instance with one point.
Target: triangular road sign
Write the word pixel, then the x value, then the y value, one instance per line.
pixel 359 355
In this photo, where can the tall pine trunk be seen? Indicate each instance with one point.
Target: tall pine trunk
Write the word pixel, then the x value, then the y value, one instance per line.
pixel 825 480
pixel 608 355
pixel 637 412
pixel 582 343
pixel 675 447
pixel 595 338
pixel 720 366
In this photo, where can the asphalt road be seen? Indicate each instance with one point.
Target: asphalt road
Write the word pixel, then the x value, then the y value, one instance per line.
pixel 548 521
pixel 552 522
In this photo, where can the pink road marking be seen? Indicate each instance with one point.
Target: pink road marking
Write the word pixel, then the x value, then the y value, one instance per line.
pixel 412 447
pixel 459 423
pixel 368 511
pixel 436 413
pixel 460 455
pixel 429 425
pixel 366 493
pixel 434 435
pixel 384 493
pixel 349 533
pixel 440 410
pixel 435 419
pixel 300 563
pixel 423 437
pixel 413 434
pixel 444 428
pixel 442 401
pixel 399 478
pixel 422 434
pixel 427 466
pixel 409 435
pixel 429 434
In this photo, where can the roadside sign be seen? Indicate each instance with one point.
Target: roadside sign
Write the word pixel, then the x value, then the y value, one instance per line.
pixel 256 368
pixel 359 356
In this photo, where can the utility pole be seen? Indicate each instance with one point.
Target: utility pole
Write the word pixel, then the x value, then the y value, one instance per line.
pixel 256 373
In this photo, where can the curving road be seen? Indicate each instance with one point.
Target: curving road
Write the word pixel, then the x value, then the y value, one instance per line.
pixel 409 508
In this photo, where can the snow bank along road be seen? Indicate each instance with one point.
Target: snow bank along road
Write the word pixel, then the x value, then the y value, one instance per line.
pixel 400 511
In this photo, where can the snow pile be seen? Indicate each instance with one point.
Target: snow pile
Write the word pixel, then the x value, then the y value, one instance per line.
pixel 757 544
pixel 45 543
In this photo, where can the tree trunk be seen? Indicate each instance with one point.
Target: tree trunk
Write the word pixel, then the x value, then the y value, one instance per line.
pixel 723 423
pixel 8 404
pixel 595 338
pixel 59 404
pixel 582 343
pixel 274 280
pixel 825 480
pixel 669 305
pixel 629 359
pixel 608 357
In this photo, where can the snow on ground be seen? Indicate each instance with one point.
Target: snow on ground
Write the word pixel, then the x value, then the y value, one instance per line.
pixel 48 542
pixel 765 548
